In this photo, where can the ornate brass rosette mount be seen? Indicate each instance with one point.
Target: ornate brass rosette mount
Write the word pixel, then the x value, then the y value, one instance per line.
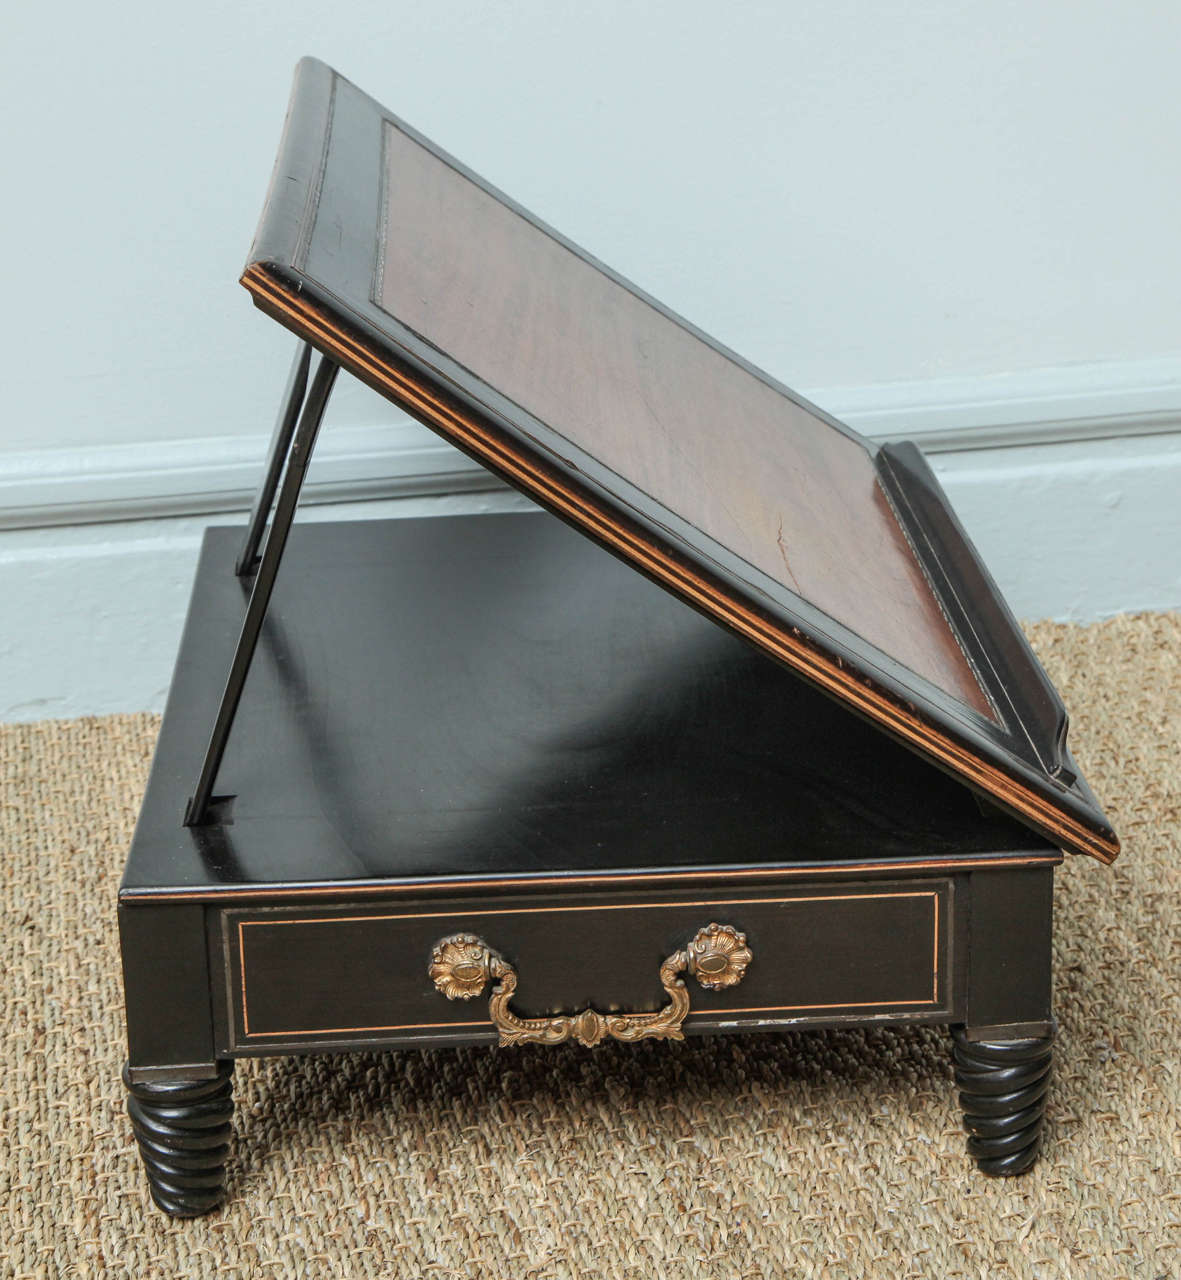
pixel 718 956
pixel 459 966
pixel 462 965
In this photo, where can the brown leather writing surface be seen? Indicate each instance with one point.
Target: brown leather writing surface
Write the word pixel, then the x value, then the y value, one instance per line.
pixel 755 471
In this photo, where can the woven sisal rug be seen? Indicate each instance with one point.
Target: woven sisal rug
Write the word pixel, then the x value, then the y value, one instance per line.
pixel 827 1154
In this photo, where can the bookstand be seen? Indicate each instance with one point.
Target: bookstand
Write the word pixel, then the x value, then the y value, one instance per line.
pixel 781 759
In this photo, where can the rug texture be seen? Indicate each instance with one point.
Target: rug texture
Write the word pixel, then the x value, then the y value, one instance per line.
pixel 826 1154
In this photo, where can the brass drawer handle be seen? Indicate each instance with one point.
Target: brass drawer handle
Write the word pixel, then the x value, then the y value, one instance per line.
pixel 462 966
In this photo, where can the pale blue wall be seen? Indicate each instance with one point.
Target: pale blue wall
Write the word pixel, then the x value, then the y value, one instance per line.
pixel 849 193
pixel 939 218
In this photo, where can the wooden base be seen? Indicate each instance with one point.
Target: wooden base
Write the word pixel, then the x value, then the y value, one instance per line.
pixel 483 726
pixel 183 1131
pixel 1003 1086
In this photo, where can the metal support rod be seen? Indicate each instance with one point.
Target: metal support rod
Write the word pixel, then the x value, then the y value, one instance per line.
pixel 293 396
pixel 256 609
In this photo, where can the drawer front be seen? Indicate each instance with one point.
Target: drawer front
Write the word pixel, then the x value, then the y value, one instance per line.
pixel 301 978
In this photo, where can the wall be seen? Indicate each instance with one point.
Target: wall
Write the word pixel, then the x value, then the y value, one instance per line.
pixel 944 220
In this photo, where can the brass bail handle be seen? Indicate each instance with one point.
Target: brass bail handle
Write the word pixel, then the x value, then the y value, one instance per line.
pixel 462 965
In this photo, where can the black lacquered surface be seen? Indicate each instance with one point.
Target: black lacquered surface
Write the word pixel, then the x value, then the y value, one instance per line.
pixel 492 695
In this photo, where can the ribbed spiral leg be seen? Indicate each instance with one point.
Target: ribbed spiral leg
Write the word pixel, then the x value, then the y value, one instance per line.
pixel 183 1131
pixel 1003 1088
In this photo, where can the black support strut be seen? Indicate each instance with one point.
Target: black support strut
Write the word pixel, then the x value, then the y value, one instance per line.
pixel 293 396
pixel 297 462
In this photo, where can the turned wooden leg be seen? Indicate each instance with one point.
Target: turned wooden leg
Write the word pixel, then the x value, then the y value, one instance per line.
pixel 183 1131
pixel 1003 1086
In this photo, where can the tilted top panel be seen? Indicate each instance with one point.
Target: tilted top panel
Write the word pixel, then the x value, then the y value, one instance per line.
pixel 838 559
pixel 756 472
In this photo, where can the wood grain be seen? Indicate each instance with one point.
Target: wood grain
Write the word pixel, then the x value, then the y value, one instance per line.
pixel 752 469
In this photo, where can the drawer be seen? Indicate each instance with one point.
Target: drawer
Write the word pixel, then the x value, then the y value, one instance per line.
pixel 307 977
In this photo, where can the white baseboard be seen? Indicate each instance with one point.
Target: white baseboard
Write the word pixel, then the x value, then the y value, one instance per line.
pixel 1004 410
pixel 43 488
pixel 1072 531
pixel 1075 531
pixel 1077 521
pixel 399 458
